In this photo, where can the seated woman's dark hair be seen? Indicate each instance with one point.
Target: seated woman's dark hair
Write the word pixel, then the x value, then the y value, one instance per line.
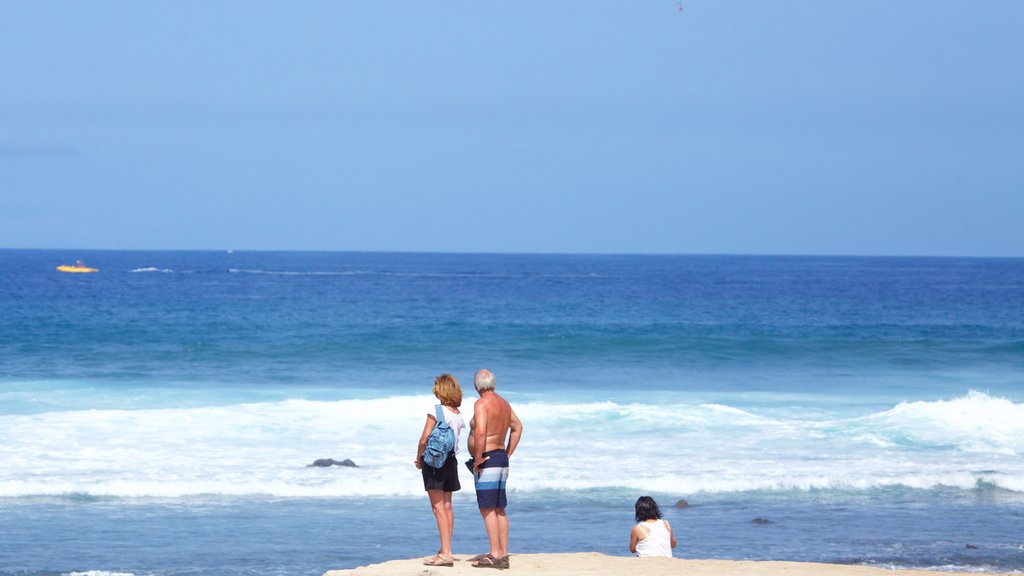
pixel 647 509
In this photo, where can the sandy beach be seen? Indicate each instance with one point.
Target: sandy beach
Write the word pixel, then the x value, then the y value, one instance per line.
pixel 604 565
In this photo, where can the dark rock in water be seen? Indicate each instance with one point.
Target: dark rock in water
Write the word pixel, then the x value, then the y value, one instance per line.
pixel 972 547
pixel 326 462
pixel 762 520
pixel 682 504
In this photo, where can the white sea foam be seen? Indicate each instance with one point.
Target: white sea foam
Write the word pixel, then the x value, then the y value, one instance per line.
pixel 264 449
pixel 975 422
pixel 97 573
pixel 153 269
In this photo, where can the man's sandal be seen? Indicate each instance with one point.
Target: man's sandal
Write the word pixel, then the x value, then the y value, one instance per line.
pixel 489 561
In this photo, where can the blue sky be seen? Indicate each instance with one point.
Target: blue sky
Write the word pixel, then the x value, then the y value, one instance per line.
pixel 788 127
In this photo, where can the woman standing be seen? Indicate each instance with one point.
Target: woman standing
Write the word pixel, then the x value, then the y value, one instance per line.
pixel 441 482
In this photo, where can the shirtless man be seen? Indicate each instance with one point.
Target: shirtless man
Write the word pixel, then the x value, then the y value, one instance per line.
pixel 493 421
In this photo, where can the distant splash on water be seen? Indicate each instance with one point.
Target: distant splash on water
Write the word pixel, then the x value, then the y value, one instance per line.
pixel 153 269
pixel 973 442
pixel 297 273
pixel 395 274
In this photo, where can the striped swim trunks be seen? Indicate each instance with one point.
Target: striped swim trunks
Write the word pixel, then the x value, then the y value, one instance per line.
pixel 490 484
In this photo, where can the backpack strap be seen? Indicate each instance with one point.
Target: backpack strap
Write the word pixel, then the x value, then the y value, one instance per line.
pixel 439 415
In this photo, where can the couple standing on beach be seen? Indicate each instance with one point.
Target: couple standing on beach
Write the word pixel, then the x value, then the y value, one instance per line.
pixel 494 433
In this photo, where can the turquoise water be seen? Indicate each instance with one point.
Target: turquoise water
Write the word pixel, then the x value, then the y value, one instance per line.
pixel 157 417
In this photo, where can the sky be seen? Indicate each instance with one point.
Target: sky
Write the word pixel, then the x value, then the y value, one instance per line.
pixel 863 127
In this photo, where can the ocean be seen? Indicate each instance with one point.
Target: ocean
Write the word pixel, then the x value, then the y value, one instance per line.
pixel 158 418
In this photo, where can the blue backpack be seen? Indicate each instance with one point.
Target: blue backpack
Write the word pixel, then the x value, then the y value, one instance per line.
pixel 440 443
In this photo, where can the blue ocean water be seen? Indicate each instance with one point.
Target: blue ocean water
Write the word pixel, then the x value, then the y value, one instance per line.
pixel 157 417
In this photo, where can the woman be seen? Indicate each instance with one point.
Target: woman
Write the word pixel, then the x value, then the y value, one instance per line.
pixel 441 482
pixel 651 536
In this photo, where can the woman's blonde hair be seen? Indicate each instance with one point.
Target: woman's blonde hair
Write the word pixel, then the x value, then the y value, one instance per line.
pixel 447 390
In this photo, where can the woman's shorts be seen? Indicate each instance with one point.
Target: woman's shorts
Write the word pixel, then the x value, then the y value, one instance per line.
pixel 445 478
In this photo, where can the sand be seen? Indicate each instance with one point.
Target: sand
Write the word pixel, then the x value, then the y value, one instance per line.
pixel 604 565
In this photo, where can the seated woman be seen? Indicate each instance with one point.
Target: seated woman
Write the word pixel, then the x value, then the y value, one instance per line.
pixel 651 536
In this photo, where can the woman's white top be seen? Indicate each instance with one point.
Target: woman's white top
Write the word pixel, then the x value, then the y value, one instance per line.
pixel 658 541
pixel 454 419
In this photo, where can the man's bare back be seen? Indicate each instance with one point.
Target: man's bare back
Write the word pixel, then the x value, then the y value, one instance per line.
pixel 494 416
pixel 493 422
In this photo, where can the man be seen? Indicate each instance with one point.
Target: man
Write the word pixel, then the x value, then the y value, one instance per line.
pixel 493 421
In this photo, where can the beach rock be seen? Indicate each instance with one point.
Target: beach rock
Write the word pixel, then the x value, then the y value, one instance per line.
pixel 681 503
pixel 326 462
pixel 762 520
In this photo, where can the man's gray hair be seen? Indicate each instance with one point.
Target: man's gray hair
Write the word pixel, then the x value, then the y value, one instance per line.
pixel 483 380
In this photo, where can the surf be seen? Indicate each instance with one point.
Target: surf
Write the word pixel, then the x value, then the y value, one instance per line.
pixel 264 448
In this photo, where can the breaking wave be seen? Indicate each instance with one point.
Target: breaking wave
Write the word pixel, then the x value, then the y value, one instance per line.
pixel 969 443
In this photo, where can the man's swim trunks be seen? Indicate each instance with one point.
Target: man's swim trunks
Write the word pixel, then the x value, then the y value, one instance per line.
pixel 490 484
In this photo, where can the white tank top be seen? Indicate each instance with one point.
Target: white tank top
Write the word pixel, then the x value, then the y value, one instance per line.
pixel 657 543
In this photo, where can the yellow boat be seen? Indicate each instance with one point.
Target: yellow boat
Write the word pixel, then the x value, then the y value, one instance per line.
pixel 77 267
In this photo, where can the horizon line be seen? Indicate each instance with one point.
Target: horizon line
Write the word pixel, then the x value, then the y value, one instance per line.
pixel 520 253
